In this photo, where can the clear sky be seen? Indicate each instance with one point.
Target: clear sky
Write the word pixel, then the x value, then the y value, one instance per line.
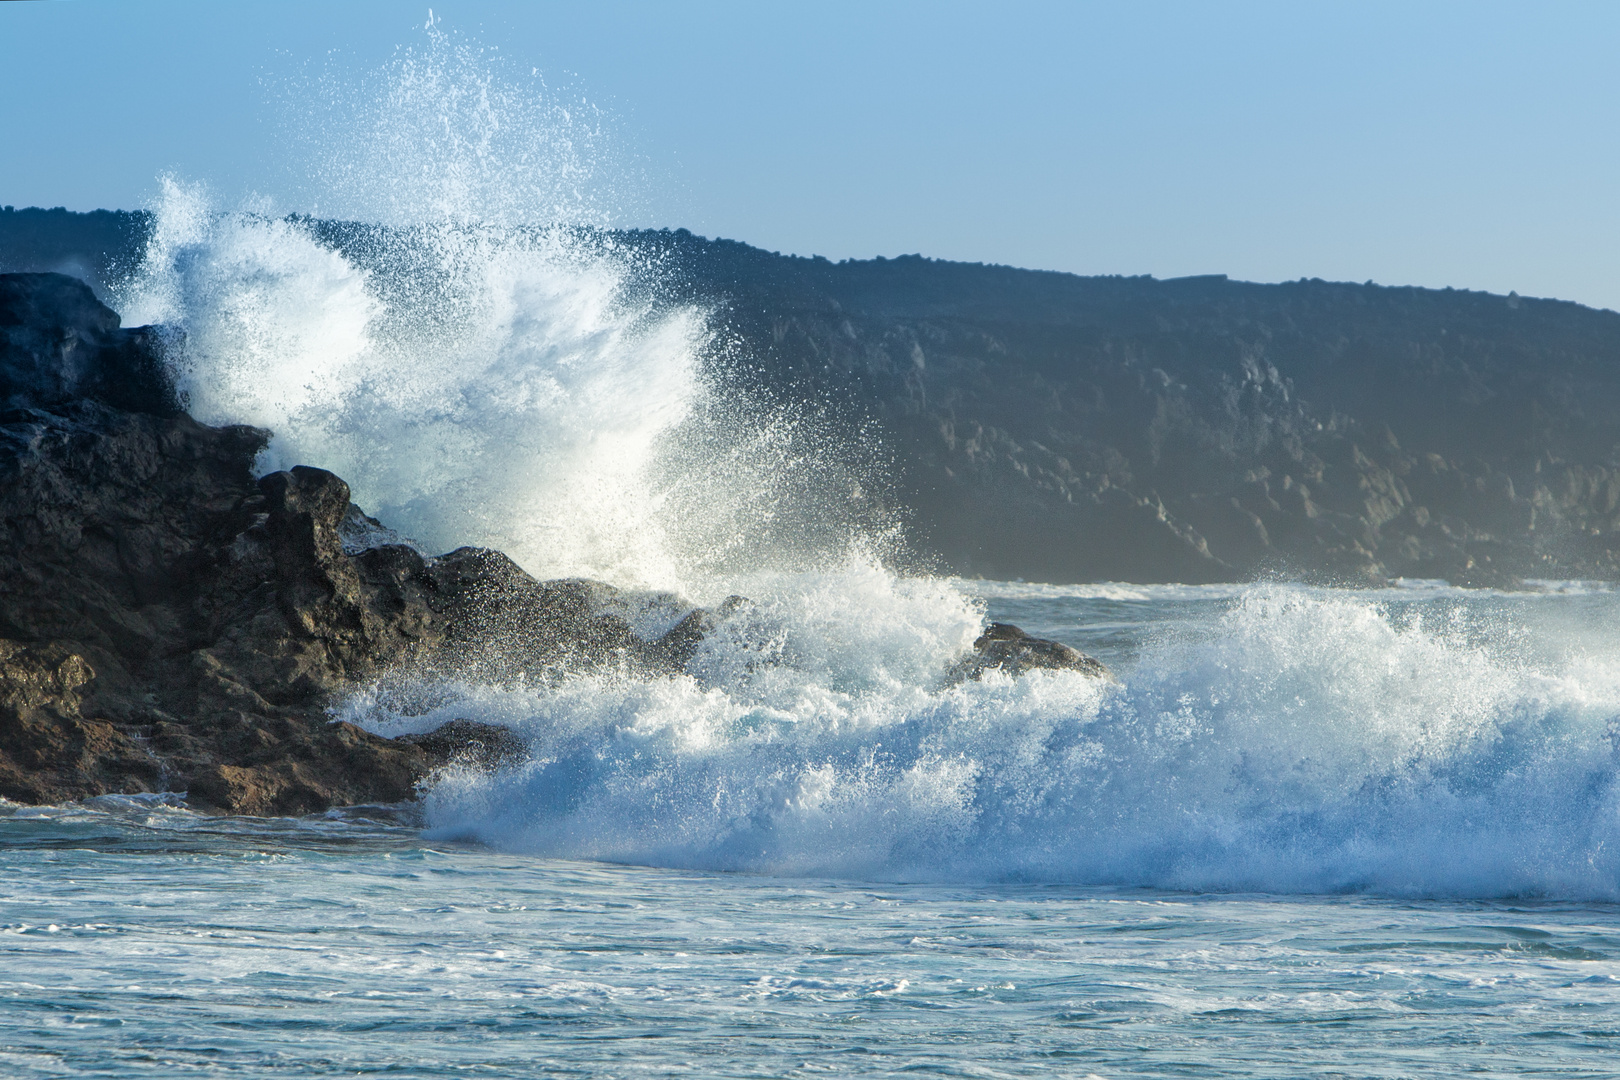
pixel 1468 144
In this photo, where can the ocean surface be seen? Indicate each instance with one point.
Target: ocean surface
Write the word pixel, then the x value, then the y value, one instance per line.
pixel 1386 935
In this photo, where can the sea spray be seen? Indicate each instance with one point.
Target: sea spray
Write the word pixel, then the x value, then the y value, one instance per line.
pixel 451 130
pixel 515 402
pixel 472 351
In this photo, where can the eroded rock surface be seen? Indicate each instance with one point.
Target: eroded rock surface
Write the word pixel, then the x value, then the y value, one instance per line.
pixel 169 622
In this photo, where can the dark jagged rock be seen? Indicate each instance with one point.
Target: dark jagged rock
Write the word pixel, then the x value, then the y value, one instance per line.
pixel 59 344
pixel 168 622
pixel 1004 647
pixel 468 742
pixel 163 629
pixel 483 618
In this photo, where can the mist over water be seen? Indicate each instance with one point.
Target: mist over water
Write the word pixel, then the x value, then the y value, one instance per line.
pixel 486 365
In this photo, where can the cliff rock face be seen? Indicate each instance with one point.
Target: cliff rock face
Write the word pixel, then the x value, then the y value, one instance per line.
pixel 1061 428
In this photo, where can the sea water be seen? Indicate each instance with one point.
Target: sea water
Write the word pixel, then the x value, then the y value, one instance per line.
pixel 140 939
pixel 1305 831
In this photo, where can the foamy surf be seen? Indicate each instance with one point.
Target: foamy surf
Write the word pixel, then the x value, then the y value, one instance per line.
pixel 1286 741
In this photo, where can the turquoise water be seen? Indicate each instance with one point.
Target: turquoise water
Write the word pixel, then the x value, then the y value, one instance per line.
pixel 140 939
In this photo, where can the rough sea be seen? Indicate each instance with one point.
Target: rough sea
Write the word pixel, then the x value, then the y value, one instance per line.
pixel 1447 909
pixel 1308 832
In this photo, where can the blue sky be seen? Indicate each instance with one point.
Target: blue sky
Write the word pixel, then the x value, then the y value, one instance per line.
pixel 1466 144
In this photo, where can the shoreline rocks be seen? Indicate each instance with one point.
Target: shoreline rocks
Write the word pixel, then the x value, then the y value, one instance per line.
pixel 169 622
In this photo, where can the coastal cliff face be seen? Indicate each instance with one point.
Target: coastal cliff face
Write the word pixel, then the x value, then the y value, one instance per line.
pixel 170 622
pixel 1060 428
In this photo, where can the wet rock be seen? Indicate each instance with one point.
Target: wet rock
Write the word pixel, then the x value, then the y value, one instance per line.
pixel 675 649
pixel 468 742
pixel 360 532
pixel 202 624
pixel 170 622
pixel 500 624
pixel 1004 647
pixel 59 344
pixel 48 748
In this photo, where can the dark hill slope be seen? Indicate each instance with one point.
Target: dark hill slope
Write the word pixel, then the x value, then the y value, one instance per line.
pixel 1056 427
pixel 94 246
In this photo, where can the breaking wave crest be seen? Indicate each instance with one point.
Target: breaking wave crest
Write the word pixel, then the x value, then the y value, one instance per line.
pixel 1294 741
pixel 475 354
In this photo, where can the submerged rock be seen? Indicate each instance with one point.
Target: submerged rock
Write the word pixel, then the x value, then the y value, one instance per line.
pixel 1004 647
pixel 469 742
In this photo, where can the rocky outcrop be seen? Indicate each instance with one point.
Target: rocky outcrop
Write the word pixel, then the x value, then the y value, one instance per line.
pixel 1004 647
pixel 58 345
pixel 150 642
pixel 169 622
